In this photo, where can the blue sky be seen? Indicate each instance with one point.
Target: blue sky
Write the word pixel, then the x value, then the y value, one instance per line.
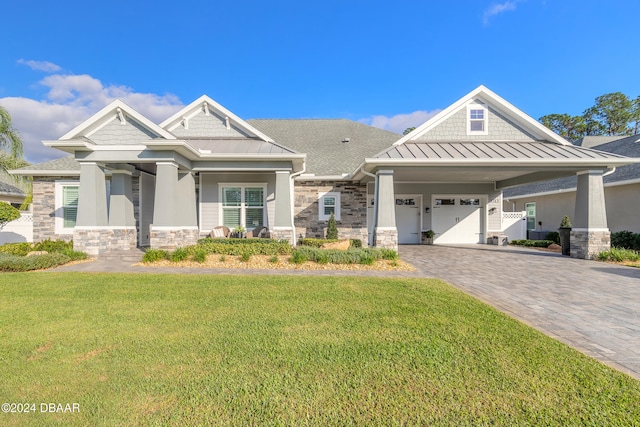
pixel 389 64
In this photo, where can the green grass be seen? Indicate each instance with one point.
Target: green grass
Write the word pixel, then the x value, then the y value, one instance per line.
pixel 263 350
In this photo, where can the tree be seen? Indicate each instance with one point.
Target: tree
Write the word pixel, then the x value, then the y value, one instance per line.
pixel 7 214
pixel 571 128
pixel 613 111
pixel 408 130
pixel 11 149
pixel 636 115
pixel 332 228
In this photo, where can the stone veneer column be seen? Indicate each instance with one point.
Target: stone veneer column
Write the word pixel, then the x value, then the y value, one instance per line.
pixel 386 232
pixel 283 221
pixel 174 220
pixel 590 234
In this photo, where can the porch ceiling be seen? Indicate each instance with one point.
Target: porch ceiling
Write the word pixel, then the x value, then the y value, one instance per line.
pixel 501 177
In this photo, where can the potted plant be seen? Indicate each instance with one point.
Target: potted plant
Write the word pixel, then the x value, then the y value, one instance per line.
pixel 427 237
pixel 240 232
pixel 565 235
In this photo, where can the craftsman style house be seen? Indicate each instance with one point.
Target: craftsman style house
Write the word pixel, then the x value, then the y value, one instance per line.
pixel 131 182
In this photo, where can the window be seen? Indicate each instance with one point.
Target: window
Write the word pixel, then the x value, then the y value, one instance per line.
pixel 329 203
pixel 469 202
pixel 243 205
pixel 477 119
pixel 66 200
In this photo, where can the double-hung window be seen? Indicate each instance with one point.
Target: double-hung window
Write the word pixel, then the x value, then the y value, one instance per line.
pixel 329 203
pixel 476 119
pixel 243 205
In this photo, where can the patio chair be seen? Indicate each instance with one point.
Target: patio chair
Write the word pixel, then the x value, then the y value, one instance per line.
pixel 220 232
pixel 258 232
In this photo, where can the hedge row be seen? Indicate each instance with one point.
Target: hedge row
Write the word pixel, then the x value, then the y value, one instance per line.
pixel 334 256
pixel 21 249
pixel 241 246
pixel 9 262
pixel 619 255
pixel 316 243
pixel 532 243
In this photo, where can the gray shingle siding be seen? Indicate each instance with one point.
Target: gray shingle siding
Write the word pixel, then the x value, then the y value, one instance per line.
pixel 212 126
pixel 115 133
pixel 499 128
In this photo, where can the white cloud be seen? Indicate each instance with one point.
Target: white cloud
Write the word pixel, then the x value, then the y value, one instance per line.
pixel 400 122
pixel 70 100
pixel 46 66
pixel 498 8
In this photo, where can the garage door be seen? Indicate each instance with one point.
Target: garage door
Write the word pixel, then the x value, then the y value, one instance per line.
pixel 457 219
pixel 408 219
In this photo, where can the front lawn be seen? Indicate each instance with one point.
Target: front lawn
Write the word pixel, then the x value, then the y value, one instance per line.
pixel 263 350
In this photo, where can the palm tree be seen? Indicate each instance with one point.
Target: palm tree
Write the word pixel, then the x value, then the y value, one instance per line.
pixel 11 154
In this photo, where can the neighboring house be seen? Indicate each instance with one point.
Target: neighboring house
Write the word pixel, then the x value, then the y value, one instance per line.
pixel 548 202
pixel 131 182
pixel 10 192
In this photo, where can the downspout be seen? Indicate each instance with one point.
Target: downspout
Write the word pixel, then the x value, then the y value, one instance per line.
pixel 293 200
pixel 609 171
pixel 375 207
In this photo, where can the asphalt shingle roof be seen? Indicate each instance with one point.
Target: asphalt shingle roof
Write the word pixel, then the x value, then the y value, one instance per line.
pixel 63 164
pixel 629 147
pixel 7 186
pixel 323 141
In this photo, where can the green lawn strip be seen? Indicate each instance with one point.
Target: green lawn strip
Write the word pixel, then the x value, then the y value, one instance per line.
pixel 287 350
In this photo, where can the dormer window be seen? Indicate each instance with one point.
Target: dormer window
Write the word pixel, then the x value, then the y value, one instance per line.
pixel 476 119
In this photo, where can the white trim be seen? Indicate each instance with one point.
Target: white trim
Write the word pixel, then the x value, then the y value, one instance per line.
pixel 59 185
pixel 571 189
pixel 104 227
pixel 589 229
pixel 338 206
pixel 485 118
pixel 87 126
pixel 490 98
pixel 386 228
pixel 242 206
pixel 197 105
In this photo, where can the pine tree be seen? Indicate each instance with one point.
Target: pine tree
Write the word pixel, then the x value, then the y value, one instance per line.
pixel 332 228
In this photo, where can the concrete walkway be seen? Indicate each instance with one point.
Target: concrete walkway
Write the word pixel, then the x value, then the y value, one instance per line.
pixel 592 306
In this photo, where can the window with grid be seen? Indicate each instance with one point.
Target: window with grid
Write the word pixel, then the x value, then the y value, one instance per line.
pixel 243 206
pixel 329 203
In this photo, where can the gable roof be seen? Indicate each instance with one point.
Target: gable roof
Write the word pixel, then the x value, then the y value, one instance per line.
pixel 334 147
pixel 64 166
pixel 490 98
pixel 624 146
pixel 209 106
pixel 115 110
pixel 591 141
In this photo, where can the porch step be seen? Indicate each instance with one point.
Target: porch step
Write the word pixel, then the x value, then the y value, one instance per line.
pixel 132 256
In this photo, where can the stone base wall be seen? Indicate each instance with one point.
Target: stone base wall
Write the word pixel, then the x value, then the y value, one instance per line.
pixel 284 234
pixel 44 209
pixel 169 238
pixel 386 238
pixel 353 209
pixel 98 241
pixel 588 244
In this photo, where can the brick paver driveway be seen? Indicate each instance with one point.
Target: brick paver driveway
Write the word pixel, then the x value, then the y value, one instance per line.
pixel 591 306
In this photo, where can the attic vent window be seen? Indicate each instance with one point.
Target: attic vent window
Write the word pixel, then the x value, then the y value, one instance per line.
pixel 476 120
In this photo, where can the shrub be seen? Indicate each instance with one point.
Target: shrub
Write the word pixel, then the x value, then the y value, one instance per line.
pixel 153 255
pixel 20 249
pixel 532 243
pixel 245 257
pixel 37 262
pixel 355 243
pixel 332 228
pixel 566 222
pixel 8 213
pixel 553 236
pixel 626 240
pixel 240 246
pixel 50 246
pixel 389 254
pixel 273 259
pixel 619 255
pixel 316 243
pixel 199 255
pixel 180 254
pixel 298 257
pixel 223 258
